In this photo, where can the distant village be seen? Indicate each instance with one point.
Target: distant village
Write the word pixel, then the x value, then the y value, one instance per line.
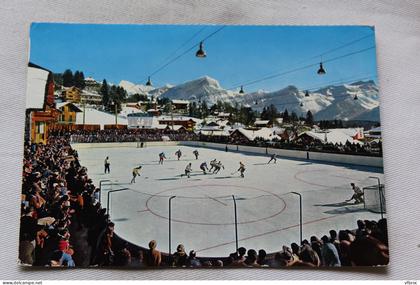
pixel 51 106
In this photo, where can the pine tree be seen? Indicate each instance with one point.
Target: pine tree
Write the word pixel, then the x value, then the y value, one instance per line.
pixel 204 110
pixel 58 80
pixel 293 117
pixel 286 116
pixel 82 80
pixel 68 80
pixel 76 79
pixel 104 91
pixel 264 114
pixel 309 118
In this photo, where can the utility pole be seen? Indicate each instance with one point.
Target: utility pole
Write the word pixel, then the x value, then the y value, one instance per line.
pixel 169 220
pixel 116 115
pixel 236 223
pixel 84 113
pixel 300 214
pixel 172 115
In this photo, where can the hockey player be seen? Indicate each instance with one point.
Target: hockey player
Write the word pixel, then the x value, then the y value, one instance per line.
pixel 273 157
pixel 178 153
pixel 161 157
pixel 136 172
pixel 188 170
pixel 204 167
pixel 217 167
pixel 212 164
pixel 357 196
pixel 241 169
pixel 195 152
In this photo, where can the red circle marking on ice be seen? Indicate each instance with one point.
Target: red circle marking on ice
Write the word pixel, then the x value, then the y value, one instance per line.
pixel 215 224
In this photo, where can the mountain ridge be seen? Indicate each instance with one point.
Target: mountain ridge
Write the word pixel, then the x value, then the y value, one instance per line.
pixel 326 103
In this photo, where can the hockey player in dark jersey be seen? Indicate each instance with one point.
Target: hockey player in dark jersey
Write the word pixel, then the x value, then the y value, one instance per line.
pixel 204 167
pixel 178 153
pixel 217 167
pixel 195 152
pixel 212 164
pixel 273 157
pixel 241 169
pixel 161 157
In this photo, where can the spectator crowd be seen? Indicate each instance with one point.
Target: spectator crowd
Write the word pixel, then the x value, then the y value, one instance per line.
pixel 130 135
pixel 144 135
pixel 63 224
pixel 368 148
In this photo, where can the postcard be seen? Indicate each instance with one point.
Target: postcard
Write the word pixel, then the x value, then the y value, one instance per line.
pixel 197 146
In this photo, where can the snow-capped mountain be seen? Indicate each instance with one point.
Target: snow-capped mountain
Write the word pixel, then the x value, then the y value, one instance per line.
pixel 370 115
pixel 328 103
pixel 149 91
pixel 159 91
pixel 204 89
pixel 288 98
pixel 344 106
pixel 132 88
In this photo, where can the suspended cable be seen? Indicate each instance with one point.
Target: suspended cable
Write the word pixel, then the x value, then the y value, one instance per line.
pixel 326 52
pixel 351 79
pixel 306 100
pixel 340 47
pixel 301 68
pixel 183 45
pixel 185 52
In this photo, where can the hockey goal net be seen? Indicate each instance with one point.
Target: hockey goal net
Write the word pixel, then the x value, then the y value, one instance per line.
pixel 374 198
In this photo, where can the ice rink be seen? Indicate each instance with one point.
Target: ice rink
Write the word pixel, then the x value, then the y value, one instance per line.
pixel 203 210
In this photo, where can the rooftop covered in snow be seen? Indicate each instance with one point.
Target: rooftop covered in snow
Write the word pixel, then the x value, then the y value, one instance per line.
pixel 36 87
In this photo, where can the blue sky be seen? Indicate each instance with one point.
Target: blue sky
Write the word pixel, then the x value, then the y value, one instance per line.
pixel 235 54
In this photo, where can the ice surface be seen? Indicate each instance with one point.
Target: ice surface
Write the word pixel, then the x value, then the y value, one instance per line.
pixel 203 212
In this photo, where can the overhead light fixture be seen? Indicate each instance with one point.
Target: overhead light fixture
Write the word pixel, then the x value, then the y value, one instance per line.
pixel 149 83
pixel 321 70
pixel 200 53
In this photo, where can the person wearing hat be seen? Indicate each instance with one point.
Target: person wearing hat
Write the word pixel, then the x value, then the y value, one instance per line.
pixel 180 257
pixel 66 259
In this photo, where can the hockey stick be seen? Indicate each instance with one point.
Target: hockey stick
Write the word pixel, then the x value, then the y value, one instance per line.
pixel 234 172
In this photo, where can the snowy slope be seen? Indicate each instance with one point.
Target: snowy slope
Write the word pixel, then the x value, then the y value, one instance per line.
pixel 330 102
pixel 370 115
pixel 344 106
pixel 288 98
pixel 149 91
pixel 132 88
pixel 204 89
